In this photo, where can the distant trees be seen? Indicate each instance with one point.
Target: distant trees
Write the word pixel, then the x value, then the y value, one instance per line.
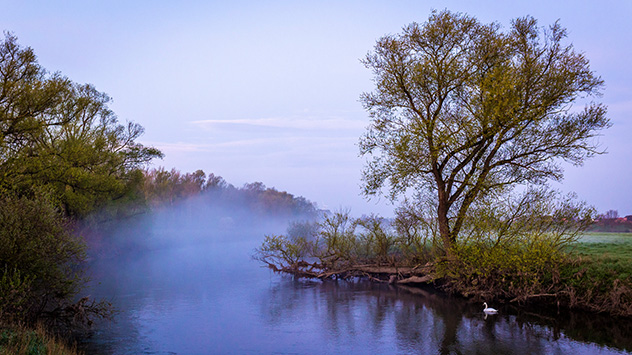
pixel 611 222
pixel 164 188
pixel 462 113
pixel 611 214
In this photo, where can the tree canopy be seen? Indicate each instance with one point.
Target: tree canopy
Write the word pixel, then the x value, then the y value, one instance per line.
pixel 61 137
pixel 463 110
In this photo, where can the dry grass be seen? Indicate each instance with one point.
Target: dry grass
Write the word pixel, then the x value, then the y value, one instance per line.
pixel 22 340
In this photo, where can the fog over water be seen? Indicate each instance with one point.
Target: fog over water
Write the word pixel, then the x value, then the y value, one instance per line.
pixel 186 284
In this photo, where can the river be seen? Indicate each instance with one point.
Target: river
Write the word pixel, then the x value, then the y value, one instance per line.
pixel 210 297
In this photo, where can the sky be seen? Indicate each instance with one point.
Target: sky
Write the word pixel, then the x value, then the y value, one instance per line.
pixel 269 90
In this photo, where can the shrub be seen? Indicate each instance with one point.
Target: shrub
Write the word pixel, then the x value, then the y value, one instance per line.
pixel 516 269
pixel 38 258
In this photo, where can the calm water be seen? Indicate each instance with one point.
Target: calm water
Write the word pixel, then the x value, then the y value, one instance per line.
pixel 214 299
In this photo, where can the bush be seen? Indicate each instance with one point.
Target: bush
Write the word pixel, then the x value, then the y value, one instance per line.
pixel 38 258
pixel 509 270
pixel 337 242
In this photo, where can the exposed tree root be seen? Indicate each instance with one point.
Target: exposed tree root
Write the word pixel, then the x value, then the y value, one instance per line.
pixel 377 273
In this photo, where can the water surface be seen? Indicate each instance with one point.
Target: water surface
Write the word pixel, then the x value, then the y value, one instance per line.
pixel 210 297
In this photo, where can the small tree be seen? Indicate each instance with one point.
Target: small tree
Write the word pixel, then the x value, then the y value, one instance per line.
pixel 463 110
pixel 611 214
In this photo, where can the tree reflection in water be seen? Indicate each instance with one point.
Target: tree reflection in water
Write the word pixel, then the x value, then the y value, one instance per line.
pixel 215 299
pixel 365 316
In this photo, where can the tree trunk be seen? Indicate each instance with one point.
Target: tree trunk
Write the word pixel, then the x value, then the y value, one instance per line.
pixel 444 226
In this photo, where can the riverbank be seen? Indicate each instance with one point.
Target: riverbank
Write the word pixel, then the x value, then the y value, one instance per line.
pixel 16 339
pixel 592 273
pixel 589 275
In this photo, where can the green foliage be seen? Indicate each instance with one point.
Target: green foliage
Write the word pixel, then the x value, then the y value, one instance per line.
pixel 59 136
pixel 417 230
pixel 89 160
pixel 336 242
pixel 535 214
pixel 14 293
pixel 31 343
pixel 374 240
pixel 38 258
pixel 593 276
pixel 29 97
pixel 541 262
pixel 514 269
pixel 463 112
pixel 164 188
pixel 281 252
pixel 63 154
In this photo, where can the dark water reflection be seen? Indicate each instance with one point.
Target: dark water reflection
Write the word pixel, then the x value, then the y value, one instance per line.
pixel 213 299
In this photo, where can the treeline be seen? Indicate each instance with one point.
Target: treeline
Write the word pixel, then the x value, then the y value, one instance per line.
pixel 158 188
pixel 166 188
pixel 168 199
pixel 611 222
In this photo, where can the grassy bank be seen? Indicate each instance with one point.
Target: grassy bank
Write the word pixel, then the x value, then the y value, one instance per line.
pixel 23 340
pixel 604 261
pixel 593 273
pixel 608 253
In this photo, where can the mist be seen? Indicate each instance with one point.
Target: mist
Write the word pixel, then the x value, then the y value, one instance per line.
pixel 205 219
pixel 183 281
pixel 195 253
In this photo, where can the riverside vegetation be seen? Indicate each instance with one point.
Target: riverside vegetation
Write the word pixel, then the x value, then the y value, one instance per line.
pixel 63 155
pixel 468 123
pixel 532 267
pixel 69 173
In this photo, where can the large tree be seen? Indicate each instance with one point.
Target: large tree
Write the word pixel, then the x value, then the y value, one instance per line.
pixel 463 110
pixel 61 137
pixel 29 96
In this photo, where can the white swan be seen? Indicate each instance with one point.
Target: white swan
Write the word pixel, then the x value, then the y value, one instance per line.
pixel 489 310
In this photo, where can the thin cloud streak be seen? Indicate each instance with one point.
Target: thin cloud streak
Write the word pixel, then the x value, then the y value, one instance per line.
pixel 282 141
pixel 287 123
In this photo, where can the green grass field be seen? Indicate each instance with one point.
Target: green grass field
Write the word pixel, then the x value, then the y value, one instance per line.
pixel 604 245
pixel 609 255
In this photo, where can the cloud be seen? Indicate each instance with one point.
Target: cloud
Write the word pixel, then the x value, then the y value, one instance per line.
pixel 298 123
pixel 279 142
